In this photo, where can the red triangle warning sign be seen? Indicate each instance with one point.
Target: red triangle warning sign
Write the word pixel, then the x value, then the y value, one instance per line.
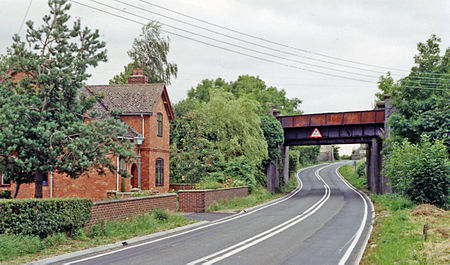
pixel 315 134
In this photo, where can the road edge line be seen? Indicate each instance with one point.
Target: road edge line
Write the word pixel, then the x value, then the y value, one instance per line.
pixel 370 203
pixel 88 251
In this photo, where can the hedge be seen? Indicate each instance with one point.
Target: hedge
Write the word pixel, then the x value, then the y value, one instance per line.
pixel 42 217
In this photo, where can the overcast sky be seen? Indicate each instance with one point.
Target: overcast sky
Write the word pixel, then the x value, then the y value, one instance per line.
pixel 383 33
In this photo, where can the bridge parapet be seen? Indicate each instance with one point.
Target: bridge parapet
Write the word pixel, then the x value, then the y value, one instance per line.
pixel 333 119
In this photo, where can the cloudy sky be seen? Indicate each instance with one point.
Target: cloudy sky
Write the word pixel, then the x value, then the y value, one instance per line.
pixel 381 33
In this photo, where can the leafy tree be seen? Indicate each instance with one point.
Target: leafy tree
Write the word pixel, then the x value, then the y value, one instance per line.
pixel 234 127
pixel 421 98
pixel 122 78
pixel 274 135
pixel 249 87
pixel 421 171
pixel 387 85
pixel 254 88
pixel 43 119
pixel 149 51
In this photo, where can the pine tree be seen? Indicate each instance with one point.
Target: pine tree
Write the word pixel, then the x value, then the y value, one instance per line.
pixel 45 122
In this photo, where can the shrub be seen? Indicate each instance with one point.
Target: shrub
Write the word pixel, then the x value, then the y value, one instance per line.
pixel 6 194
pixel 420 171
pixel 361 169
pixel 240 168
pixel 160 215
pixel 43 217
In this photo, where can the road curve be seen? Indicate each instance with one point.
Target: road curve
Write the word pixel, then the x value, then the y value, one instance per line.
pixel 324 221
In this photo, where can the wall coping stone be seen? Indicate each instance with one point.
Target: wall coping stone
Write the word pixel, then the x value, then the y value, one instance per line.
pixel 209 190
pixel 135 198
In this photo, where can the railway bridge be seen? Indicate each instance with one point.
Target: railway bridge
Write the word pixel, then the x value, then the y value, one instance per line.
pixel 356 127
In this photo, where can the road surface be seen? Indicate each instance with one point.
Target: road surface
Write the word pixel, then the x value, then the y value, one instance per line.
pixel 324 221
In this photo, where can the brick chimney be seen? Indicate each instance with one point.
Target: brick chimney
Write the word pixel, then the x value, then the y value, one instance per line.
pixel 138 77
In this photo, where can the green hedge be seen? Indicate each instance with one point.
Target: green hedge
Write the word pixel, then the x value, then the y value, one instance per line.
pixel 42 217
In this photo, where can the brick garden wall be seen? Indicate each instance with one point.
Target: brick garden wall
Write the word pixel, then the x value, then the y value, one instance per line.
pixel 121 208
pixel 199 200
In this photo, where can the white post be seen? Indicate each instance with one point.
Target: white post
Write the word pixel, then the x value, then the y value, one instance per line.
pixel 51 184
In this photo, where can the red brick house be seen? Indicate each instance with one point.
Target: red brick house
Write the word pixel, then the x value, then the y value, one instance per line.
pixel 147 111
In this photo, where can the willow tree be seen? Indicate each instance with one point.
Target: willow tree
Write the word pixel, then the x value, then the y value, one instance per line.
pixel 149 51
pixel 43 119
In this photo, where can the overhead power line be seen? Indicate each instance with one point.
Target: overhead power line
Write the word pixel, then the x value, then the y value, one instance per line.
pixel 25 17
pixel 228 43
pixel 273 42
pixel 245 41
pixel 269 41
pixel 224 48
pixel 216 46
pixel 235 45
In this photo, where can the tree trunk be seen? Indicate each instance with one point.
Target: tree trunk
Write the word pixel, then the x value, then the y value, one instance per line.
pixel 38 184
pixel 16 190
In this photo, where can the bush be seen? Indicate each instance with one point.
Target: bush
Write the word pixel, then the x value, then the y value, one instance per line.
pixel 160 215
pixel 361 169
pixel 6 194
pixel 43 217
pixel 420 171
pixel 240 168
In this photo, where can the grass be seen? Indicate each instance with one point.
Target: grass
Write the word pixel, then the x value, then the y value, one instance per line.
pixel 351 175
pixel 259 195
pixel 397 236
pixel 18 249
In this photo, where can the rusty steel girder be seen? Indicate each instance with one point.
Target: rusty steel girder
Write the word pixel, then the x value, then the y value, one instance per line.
pixel 334 128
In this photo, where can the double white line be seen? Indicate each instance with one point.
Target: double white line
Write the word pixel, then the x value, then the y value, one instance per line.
pixel 227 252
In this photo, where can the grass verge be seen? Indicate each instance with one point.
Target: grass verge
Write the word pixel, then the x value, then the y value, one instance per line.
pixel 18 249
pixel 397 236
pixel 259 195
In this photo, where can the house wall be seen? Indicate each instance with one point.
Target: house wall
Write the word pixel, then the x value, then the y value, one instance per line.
pixel 89 185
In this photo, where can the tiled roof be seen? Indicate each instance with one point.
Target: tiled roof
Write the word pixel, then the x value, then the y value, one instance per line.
pixel 132 133
pixel 129 98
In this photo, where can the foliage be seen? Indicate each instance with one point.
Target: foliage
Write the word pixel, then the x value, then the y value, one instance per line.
pixel 274 135
pixel 386 85
pixel 352 176
pixel 44 217
pixel 393 201
pixel 149 51
pixel 192 156
pixel 226 123
pixel 361 169
pixel 160 215
pixel 13 246
pixel 6 194
pixel 42 116
pixel 122 78
pixel 336 152
pixel 420 171
pixel 249 87
pixel 421 98
pixel 233 127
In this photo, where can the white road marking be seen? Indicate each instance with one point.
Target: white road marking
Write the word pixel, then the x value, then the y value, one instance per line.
pixel 220 221
pixel 227 252
pixel 361 227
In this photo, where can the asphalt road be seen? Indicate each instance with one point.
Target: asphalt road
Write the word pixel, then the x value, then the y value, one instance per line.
pixel 323 222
